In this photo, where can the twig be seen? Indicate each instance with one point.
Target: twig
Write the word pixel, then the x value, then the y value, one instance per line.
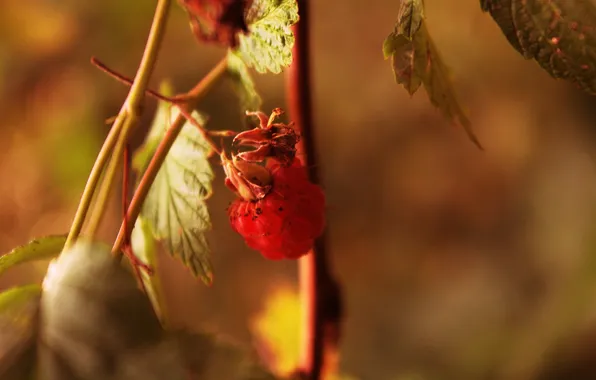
pixel 161 152
pixel 178 100
pixel 126 119
pixel 320 292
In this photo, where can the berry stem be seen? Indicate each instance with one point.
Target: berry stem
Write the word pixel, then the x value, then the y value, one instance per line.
pixel 193 96
pixel 126 119
pixel 320 292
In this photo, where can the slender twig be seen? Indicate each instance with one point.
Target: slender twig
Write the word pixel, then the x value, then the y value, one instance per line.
pixel 320 293
pixel 127 81
pixel 161 152
pixel 179 101
pixel 126 118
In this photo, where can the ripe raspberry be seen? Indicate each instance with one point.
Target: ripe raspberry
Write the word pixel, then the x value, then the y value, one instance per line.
pixel 286 221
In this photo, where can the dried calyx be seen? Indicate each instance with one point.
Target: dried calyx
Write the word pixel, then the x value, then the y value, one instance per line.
pixel 244 175
pixel 276 140
pixel 248 180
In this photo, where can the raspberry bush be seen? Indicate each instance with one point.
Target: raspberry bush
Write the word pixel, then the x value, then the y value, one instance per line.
pixel 279 206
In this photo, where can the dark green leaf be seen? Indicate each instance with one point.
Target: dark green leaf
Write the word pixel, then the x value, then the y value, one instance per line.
pixel 558 34
pixel 144 247
pixel 416 61
pixel 243 84
pixel 97 324
pixel 38 249
pixel 175 207
pixel 18 330
pixel 268 46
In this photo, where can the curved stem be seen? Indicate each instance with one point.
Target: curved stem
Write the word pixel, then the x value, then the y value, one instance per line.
pixel 161 152
pixel 126 118
pixel 320 292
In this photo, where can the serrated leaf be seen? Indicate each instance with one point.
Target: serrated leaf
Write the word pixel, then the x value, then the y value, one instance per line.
pixel 558 34
pixel 97 324
pixel 144 247
pixel 19 308
pixel 268 46
pixel 43 248
pixel 175 207
pixel 243 84
pixel 416 61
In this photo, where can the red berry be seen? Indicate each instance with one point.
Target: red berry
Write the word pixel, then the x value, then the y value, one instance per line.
pixel 286 221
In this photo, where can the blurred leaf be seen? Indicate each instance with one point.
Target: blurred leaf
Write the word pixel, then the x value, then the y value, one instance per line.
pixel 416 61
pixel 144 247
pixel 175 207
pixel 243 84
pixel 209 357
pixel 38 249
pixel 98 325
pixel 217 21
pixel 501 12
pixel 18 329
pixel 558 34
pixel 268 46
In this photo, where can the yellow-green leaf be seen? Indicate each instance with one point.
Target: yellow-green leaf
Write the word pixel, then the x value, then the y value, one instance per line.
pixel 38 249
pixel 175 206
pixel 144 247
pixel 268 46
pixel 243 84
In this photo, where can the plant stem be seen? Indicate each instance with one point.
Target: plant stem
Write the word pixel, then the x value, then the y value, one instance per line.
pixel 178 101
pixel 161 152
pixel 320 292
pixel 126 119
pixel 105 189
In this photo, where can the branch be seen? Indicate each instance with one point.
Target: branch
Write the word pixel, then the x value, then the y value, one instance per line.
pixel 320 292
pixel 126 119
pixel 166 143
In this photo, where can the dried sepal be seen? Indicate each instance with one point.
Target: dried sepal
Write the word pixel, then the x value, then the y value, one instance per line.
pixel 249 180
pixel 270 140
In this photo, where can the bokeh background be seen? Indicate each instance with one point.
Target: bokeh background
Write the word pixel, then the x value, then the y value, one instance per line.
pixel 455 263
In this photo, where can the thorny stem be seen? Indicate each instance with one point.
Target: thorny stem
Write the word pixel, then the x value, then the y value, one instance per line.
pixel 320 292
pixel 161 152
pixel 126 119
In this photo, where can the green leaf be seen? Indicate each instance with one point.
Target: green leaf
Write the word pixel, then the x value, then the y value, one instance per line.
pixel 416 61
pixel 558 34
pixel 243 84
pixel 97 324
pixel 38 249
pixel 175 207
pixel 144 247
pixel 268 46
pixel 19 308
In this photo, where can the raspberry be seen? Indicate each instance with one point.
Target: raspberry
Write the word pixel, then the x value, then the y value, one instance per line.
pixel 286 221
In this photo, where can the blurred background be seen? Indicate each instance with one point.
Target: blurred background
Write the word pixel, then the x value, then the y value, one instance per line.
pixel 455 263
